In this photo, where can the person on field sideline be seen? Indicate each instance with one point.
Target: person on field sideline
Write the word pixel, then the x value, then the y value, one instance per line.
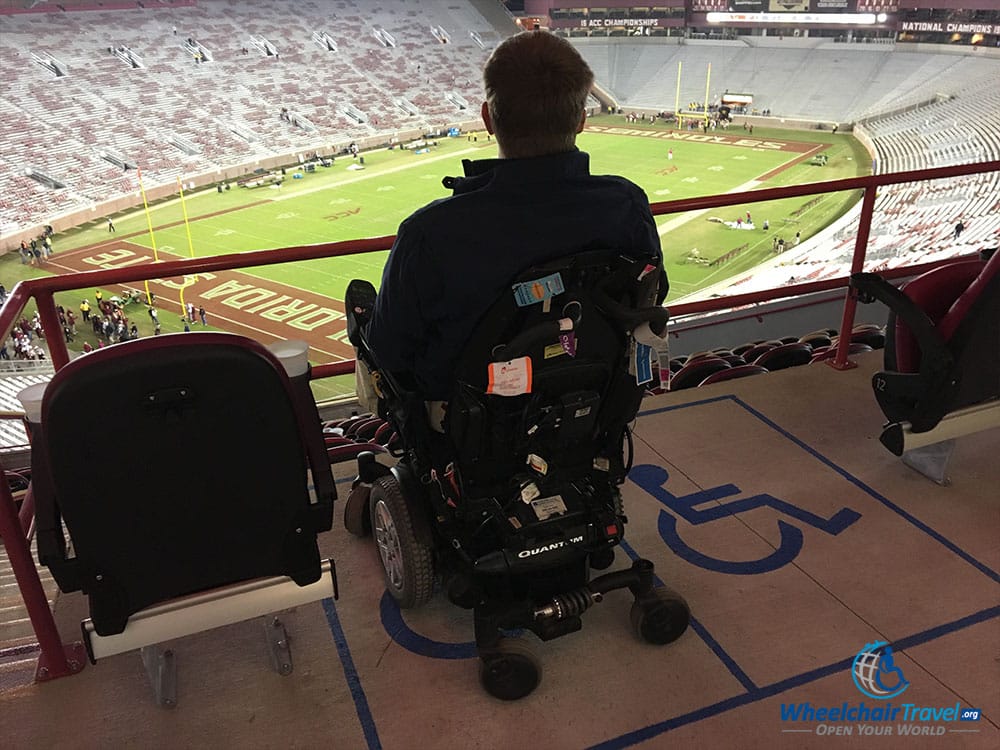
pixel 434 290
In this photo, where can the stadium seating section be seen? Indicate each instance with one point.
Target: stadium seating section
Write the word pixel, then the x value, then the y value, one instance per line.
pixel 134 94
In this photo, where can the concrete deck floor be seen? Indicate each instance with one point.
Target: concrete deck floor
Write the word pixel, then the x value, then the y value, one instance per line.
pixel 838 545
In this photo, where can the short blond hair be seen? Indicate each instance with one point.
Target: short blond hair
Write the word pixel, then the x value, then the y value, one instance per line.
pixel 536 90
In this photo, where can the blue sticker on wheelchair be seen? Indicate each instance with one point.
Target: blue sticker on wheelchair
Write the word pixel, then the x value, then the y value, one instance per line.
pixel 531 292
pixel 643 363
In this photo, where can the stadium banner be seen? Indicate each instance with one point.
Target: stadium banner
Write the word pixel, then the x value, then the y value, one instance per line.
pixel 789 6
pixel 823 19
pixel 846 6
pixel 747 6
pixel 950 27
pixel 611 23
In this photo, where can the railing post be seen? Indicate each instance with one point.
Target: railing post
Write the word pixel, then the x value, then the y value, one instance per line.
pixel 46 303
pixel 840 360
pixel 56 659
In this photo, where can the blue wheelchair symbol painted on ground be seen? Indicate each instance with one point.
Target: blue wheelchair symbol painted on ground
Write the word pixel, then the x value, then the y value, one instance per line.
pixel 401 633
pixel 405 636
pixel 652 478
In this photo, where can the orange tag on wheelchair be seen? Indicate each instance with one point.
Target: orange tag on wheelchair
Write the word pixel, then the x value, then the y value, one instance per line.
pixel 509 378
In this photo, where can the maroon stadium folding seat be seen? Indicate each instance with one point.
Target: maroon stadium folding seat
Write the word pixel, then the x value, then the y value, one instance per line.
pixel 784 356
pixel 942 350
pixel 740 371
pixel 692 374
pixel 186 504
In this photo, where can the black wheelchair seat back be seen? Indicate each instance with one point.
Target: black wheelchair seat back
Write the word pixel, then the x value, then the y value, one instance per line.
pixel 565 325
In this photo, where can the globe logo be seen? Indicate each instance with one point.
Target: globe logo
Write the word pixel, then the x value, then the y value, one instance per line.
pixel 875 674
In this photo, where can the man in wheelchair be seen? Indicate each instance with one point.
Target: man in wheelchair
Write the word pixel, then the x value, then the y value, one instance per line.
pixel 503 348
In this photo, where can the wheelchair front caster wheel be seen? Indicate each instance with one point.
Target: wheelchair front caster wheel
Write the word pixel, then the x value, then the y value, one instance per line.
pixel 510 670
pixel 661 616
pixel 357 516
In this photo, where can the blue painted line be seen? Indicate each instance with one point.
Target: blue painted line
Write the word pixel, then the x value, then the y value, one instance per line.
pixel 401 633
pixel 917 639
pixel 675 407
pixel 936 536
pixel 727 660
pixel 353 679
pixel 940 538
pixel 702 631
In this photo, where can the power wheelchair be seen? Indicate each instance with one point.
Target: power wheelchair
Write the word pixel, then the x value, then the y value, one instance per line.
pixel 515 497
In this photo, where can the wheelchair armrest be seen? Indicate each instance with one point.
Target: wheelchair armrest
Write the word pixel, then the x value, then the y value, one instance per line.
pixel 935 357
pixel 359 301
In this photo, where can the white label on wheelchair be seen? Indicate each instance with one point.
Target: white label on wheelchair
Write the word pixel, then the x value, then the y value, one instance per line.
pixel 539 290
pixel 538 463
pixel 510 378
pixel 529 492
pixel 546 507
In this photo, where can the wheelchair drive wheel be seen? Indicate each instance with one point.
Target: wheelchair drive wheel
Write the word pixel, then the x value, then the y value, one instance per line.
pixel 510 670
pixel 660 616
pixel 407 564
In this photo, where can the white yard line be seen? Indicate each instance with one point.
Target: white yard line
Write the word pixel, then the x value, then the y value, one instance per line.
pixel 380 173
pixel 669 226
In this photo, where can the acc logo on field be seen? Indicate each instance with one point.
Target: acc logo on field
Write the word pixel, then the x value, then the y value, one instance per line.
pixel 875 674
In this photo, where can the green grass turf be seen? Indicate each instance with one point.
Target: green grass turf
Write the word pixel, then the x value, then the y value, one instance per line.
pixel 341 204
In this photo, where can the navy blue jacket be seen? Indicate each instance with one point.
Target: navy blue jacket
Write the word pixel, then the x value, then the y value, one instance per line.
pixel 454 257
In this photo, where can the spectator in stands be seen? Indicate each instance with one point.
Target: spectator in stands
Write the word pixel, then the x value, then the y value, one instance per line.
pixel 536 202
pixel 959 228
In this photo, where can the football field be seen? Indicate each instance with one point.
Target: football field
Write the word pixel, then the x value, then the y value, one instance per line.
pixel 344 201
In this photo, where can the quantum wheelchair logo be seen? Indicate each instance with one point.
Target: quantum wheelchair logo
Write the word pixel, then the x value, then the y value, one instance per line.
pixel 875 674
